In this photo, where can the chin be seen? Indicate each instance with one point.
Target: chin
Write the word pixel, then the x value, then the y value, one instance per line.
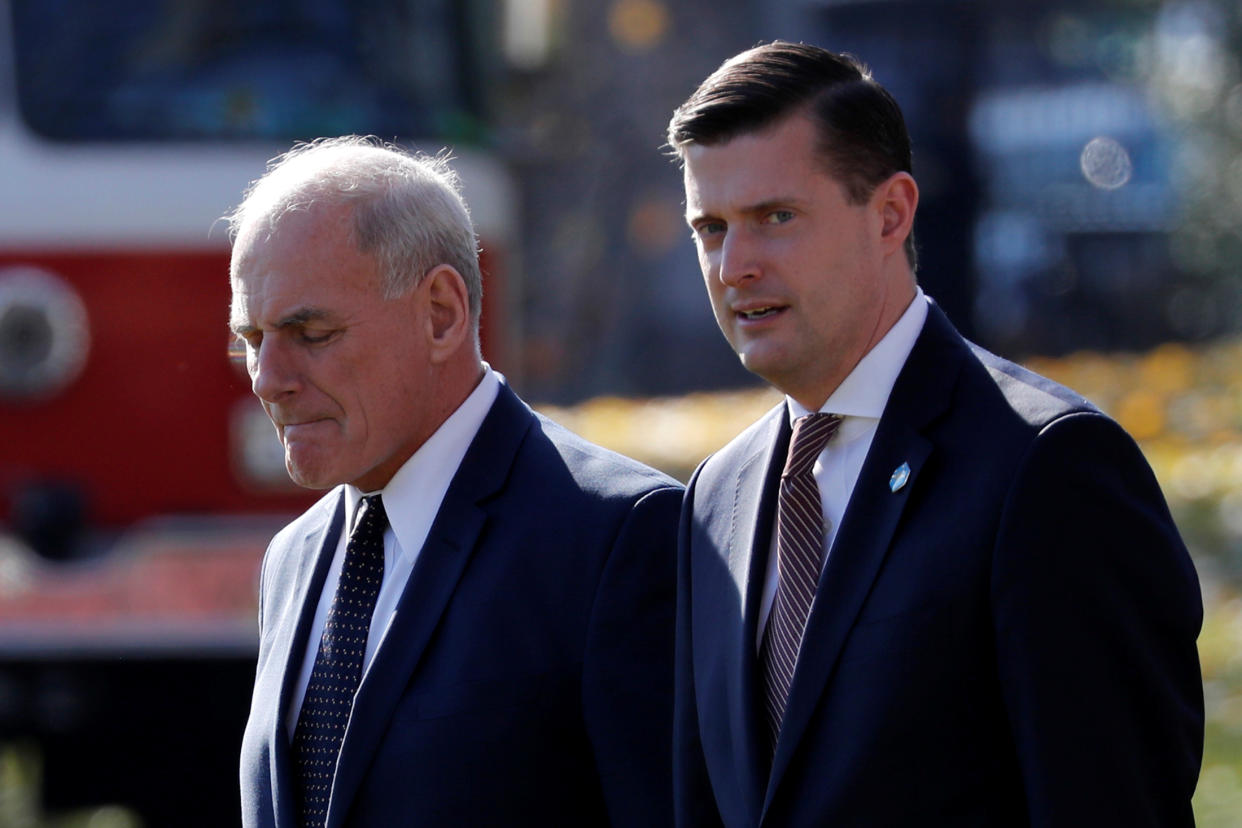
pixel 310 478
pixel 311 483
pixel 761 365
pixel 784 381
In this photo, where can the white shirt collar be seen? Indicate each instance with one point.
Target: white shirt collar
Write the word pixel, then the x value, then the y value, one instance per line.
pixel 414 494
pixel 865 392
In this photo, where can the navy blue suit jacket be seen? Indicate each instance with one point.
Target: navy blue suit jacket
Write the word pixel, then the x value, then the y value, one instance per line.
pixel 1008 639
pixel 527 677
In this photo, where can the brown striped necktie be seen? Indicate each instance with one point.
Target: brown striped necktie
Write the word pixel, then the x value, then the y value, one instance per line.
pixel 799 558
pixel 338 665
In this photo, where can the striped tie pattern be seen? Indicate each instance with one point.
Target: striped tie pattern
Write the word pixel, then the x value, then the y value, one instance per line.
pixel 799 558
pixel 338 665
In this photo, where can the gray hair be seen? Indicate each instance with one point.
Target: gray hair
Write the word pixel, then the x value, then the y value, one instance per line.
pixel 408 211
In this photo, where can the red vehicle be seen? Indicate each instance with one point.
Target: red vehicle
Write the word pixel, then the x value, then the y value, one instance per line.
pixel 139 478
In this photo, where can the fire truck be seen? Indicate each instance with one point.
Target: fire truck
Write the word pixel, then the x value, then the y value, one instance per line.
pixel 139 478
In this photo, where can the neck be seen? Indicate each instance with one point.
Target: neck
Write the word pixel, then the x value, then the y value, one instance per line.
pixel 896 304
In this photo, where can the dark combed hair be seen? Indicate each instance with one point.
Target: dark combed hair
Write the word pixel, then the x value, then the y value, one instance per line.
pixel 862 134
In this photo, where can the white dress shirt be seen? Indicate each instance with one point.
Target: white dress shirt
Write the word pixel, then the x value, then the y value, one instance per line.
pixel 411 500
pixel 860 400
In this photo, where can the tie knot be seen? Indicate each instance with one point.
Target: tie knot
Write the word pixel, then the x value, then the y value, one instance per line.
pixel 372 519
pixel 810 434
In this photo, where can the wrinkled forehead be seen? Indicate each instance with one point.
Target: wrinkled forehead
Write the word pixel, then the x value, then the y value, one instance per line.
pixel 309 251
pixel 292 227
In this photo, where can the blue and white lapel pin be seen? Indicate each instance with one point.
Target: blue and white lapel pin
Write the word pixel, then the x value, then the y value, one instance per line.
pixel 901 476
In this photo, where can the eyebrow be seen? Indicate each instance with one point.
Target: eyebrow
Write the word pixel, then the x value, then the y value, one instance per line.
pixel 759 208
pixel 297 319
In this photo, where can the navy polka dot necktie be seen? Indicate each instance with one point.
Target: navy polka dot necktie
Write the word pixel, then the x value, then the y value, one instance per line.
pixel 338 665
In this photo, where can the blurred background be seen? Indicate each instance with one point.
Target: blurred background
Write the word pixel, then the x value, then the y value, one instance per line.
pixel 1081 212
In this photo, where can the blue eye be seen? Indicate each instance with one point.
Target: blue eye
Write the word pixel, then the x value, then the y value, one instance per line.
pixel 778 217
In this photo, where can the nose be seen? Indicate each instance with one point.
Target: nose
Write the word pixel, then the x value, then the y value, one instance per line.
pixel 273 374
pixel 738 258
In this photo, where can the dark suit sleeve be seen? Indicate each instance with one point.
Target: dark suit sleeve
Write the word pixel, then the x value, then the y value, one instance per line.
pixel 627 673
pixel 693 801
pixel 1097 607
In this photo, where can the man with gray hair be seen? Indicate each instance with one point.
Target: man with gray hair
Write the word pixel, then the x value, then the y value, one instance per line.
pixel 474 625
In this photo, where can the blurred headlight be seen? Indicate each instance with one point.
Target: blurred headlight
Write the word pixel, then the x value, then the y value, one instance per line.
pixel 44 337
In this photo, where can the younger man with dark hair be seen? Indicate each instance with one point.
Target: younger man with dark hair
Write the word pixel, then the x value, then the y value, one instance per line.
pixel 931 588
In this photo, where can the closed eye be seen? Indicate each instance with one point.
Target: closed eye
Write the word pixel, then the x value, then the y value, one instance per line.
pixel 317 338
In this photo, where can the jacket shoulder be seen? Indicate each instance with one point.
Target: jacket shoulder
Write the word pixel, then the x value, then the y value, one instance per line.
pixel 946 371
pixel 597 468
pixel 1033 398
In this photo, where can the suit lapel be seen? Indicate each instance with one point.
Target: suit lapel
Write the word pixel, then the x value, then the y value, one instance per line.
pixel 921 393
pixel 313 558
pixel 758 482
pixel 724 632
pixel 429 590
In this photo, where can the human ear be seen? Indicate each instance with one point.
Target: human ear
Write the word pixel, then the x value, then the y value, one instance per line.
pixel 898 198
pixel 448 319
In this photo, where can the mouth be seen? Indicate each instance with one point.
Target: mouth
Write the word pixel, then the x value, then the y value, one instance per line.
pixel 301 425
pixel 755 314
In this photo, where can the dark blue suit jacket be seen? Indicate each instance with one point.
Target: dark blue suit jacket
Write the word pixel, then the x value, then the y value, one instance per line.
pixel 527 677
pixel 1008 639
